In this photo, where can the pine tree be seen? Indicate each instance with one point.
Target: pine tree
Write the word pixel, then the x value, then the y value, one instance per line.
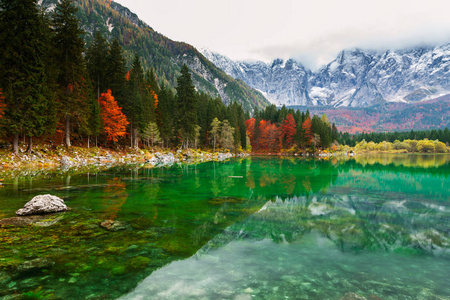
pixel 135 97
pixel 282 114
pixel 242 127
pixel 334 133
pixel 151 133
pixel 29 105
pixel 149 100
pixel 115 72
pixel 72 70
pixel 165 114
pixel 95 121
pixel 204 117
pixel 325 132
pixel 187 106
pixel 97 61
pixel 152 81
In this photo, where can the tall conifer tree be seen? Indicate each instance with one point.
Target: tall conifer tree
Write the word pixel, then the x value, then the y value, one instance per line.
pixel 115 72
pixel 23 75
pixel 135 97
pixel 72 70
pixel 165 114
pixel 97 61
pixel 187 106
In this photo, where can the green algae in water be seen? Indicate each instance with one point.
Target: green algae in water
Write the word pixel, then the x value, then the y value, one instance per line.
pixel 289 228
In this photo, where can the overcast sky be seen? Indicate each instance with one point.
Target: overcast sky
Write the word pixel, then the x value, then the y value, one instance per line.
pixel 311 31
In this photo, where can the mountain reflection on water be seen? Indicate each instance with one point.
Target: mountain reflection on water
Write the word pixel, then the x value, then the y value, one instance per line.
pixel 289 228
pixel 317 247
pixel 342 234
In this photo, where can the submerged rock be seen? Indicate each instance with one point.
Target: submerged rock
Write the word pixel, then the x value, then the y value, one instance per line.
pixel 35 264
pixel 42 204
pixel 4 277
pixel 36 220
pixel 21 221
pixel 112 225
pixel 49 221
pixel 352 296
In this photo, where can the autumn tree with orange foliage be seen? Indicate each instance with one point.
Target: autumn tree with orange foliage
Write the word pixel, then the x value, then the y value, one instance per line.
pixel 307 133
pixel 154 96
pixel 270 139
pixel 250 125
pixel 289 128
pixel 114 121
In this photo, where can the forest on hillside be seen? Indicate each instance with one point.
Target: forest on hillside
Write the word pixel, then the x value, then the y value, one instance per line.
pixel 57 90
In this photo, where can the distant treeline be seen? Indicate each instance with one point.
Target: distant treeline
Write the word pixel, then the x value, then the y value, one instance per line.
pixel 442 135
pixel 281 129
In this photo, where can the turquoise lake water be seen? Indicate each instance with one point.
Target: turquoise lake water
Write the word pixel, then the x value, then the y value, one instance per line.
pixel 279 228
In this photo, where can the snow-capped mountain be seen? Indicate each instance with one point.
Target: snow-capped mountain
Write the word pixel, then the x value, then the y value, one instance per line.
pixel 356 78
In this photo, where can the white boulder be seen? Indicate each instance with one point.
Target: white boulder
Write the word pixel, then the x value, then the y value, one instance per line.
pixel 42 204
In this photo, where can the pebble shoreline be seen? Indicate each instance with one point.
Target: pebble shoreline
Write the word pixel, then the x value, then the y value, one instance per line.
pixel 81 157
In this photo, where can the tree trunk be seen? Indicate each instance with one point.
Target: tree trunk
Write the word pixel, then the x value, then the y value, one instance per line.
pixel 30 144
pixel 16 144
pixel 136 138
pixel 98 87
pixel 131 135
pixel 68 131
pixel 88 141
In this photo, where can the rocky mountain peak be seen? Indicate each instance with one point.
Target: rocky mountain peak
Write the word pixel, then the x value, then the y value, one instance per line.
pixel 355 78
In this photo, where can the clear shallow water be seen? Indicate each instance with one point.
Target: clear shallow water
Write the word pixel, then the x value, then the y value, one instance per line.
pixel 290 228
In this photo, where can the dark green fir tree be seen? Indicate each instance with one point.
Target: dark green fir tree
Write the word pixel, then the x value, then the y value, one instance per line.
pixel 23 74
pixel 96 62
pixel 187 107
pixel 72 76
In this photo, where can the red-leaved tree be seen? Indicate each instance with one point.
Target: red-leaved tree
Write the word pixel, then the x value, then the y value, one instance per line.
pixel 154 95
pixel 307 133
pixel 270 138
pixel 114 121
pixel 250 125
pixel 289 128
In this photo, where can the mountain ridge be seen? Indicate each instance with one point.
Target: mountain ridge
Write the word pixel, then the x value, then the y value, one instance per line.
pixel 355 78
pixel 156 50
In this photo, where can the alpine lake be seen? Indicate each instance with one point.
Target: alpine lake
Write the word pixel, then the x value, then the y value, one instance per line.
pixel 375 226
